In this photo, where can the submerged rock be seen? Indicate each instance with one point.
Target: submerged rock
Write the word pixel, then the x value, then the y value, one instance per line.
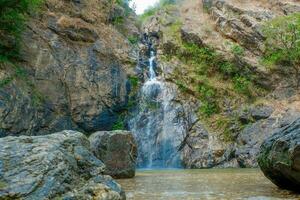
pixel 118 150
pixel 48 167
pixel 279 157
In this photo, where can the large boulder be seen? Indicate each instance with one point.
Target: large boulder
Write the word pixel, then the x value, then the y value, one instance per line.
pixel 118 150
pixel 59 165
pixel 279 157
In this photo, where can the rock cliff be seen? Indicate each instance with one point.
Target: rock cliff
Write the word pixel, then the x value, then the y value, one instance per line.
pixel 74 68
pixel 206 49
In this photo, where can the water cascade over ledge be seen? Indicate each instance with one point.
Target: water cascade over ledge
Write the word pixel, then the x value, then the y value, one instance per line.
pixel 158 125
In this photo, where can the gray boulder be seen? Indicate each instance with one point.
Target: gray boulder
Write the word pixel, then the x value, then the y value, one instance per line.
pixel 279 157
pixel 261 112
pixel 118 150
pixel 49 167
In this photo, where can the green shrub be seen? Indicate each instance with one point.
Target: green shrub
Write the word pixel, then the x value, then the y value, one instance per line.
pixel 13 15
pixel 154 9
pixel 6 81
pixel 118 20
pixel 182 87
pixel 203 58
pixel 283 44
pixel 133 39
pixel 119 124
pixel 208 108
pixel 227 68
pixel 134 81
pixel 237 50
pixel 209 100
pixel 242 85
pixel 115 17
pixel 207 60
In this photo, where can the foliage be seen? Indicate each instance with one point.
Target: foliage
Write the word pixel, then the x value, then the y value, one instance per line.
pixel 154 9
pixel 119 124
pixel 182 86
pixel 228 68
pixel 133 39
pixel 2 184
pixel 13 16
pixel 202 58
pixel 134 81
pixel 283 43
pixel 115 17
pixel 119 20
pixel 208 109
pixel 230 126
pixel 211 76
pixel 237 50
pixel 207 60
pixel 208 96
pixel 6 81
pixel 242 85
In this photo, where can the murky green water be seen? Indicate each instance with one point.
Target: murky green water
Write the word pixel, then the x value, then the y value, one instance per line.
pixel 223 184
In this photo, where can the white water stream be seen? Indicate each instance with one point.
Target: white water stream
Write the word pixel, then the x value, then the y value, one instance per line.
pixel 156 126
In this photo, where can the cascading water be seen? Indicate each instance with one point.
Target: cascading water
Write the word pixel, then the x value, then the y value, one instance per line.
pixel 151 66
pixel 158 125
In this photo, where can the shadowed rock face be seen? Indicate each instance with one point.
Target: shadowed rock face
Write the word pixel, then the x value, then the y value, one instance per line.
pixel 279 157
pixel 75 66
pixel 118 151
pixel 52 166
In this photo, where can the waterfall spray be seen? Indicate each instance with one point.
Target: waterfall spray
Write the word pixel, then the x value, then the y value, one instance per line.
pixel 154 125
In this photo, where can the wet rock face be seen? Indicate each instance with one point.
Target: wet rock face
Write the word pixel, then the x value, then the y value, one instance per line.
pixel 205 150
pixel 76 65
pixel 279 157
pixel 56 165
pixel 118 150
pixel 160 125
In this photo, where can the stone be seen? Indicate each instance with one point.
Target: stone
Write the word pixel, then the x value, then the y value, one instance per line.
pixel 118 151
pixel 253 135
pixel 189 36
pixel 279 157
pixel 261 112
pixel 202 149
pixel 99 187
pixel 50 166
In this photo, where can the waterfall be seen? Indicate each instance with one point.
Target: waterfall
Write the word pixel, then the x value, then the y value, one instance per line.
pixel 151 66
pixel 157 124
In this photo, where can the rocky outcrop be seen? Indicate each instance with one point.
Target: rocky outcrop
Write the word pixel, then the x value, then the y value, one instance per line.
pixel 279 157
pixel 118 151
pixel 233 29
pixel 73 73
pixel 59 165
pixel 206 149
pixel 203 149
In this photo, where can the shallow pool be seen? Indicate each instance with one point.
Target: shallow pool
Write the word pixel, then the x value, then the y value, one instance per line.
pixel 208 184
